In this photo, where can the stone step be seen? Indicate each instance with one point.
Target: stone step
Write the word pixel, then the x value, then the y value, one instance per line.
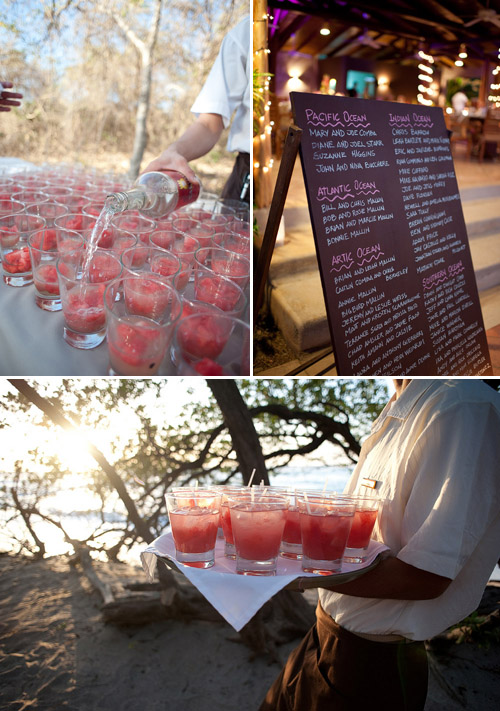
pixel 298 307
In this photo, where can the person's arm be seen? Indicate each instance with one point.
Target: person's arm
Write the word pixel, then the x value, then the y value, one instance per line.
pixel 392 579
pixel 197 140
pixel 8 98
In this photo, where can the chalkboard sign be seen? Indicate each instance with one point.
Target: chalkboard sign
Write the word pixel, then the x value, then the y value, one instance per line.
pixel 394 259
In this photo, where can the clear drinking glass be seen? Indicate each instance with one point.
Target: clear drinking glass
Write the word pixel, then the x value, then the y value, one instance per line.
pixel 142 311
pixel 363 523
pixel 14 233
pixel 257 522
pixel 194 518
pixel 82 288
pixel 325 523
pixel 211 344
pixel 45 248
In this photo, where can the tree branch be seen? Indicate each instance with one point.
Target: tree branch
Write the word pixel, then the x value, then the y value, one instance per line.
pixel 54 414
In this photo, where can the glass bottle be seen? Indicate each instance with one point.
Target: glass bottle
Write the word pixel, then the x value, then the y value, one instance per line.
pixel 156 194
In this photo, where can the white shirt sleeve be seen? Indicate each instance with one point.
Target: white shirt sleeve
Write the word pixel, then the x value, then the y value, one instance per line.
pixel 452 465
pixel 227 88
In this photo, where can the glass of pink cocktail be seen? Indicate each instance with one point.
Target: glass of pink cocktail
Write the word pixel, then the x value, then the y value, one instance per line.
pixel 325 523
pixel 14 233
pixel 233 242
pixel 45 248
pixel 194 518
pixel 142 311
pixel 230 265
pixel 363 523
pixel 228 498
pixel 219 291
pixel 50 211
pixel 82 286
pixel 257 523
pixel 291 544
pixel 135 223
pixel 210 344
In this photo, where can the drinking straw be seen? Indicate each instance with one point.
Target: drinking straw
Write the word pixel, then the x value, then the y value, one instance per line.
pixel 307 503
pixel 326 484
pixel 251 478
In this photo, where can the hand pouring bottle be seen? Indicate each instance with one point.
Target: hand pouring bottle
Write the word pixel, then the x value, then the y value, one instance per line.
pixel 156 194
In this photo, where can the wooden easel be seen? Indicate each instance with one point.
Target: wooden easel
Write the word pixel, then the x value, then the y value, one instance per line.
pixel 288 158
pixel 290 150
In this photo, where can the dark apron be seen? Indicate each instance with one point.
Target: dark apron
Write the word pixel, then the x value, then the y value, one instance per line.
pixel 335 670
pixel 237 186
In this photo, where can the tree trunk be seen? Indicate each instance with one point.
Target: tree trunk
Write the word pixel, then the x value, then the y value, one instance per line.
pixel 143 104
pixel 141 136
pixel 241 428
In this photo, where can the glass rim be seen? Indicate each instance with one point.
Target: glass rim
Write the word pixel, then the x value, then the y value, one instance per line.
pixel 81 251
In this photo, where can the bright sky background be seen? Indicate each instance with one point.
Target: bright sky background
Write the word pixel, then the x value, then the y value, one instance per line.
pixel 71 450
pixel 13 441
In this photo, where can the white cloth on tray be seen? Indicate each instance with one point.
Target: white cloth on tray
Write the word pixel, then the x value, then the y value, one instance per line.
pixel 237 597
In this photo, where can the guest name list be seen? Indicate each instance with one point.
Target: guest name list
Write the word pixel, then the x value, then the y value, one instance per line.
pixel 390 236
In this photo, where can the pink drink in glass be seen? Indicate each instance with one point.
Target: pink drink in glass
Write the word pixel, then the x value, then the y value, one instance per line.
pixel 257 529
pixel 84 311
pixel 291 544
pixel 363 523
pixel 220 292
pixel 45 279
pixel 194 518
pixel 15 231
pixel 362 527
pixel 325 525
pixel 194 531
pixel 45 248
pixel 203 232
pixel 141 313
pixel 136 346
pixel 229 495
pixel 146 296
pixel 82 296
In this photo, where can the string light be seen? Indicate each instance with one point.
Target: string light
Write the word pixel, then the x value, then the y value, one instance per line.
pixel 426 92
pixel 495 97
pixel 263 165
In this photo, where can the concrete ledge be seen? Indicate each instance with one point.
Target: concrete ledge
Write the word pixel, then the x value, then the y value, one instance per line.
pixel 299 310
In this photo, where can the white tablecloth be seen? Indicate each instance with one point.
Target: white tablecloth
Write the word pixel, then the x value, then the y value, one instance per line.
pixel 31 340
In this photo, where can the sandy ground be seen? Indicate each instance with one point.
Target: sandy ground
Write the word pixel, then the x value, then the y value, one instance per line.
pixel 56 653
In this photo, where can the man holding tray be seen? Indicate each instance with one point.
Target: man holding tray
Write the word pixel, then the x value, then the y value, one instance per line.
pixel 433 457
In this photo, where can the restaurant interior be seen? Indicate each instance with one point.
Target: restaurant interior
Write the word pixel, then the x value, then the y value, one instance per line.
pixel 442 53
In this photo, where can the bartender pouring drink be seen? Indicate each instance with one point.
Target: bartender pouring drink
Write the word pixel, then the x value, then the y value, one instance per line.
pixel 224 100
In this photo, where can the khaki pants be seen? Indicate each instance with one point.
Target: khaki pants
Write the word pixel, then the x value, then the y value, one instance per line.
pixel 335 670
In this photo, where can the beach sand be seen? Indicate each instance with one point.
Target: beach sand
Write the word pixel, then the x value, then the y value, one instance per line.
pixel 57 653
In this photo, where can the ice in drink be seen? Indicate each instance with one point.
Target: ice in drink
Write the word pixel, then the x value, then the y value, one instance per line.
pixel 325 525
pixel 363 523
pixel 137 346
pixel 194 517
pixel 291 544
pixel 257 529
pixel 194 530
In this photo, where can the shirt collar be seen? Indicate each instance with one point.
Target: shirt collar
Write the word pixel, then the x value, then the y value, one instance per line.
pixel 401 407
